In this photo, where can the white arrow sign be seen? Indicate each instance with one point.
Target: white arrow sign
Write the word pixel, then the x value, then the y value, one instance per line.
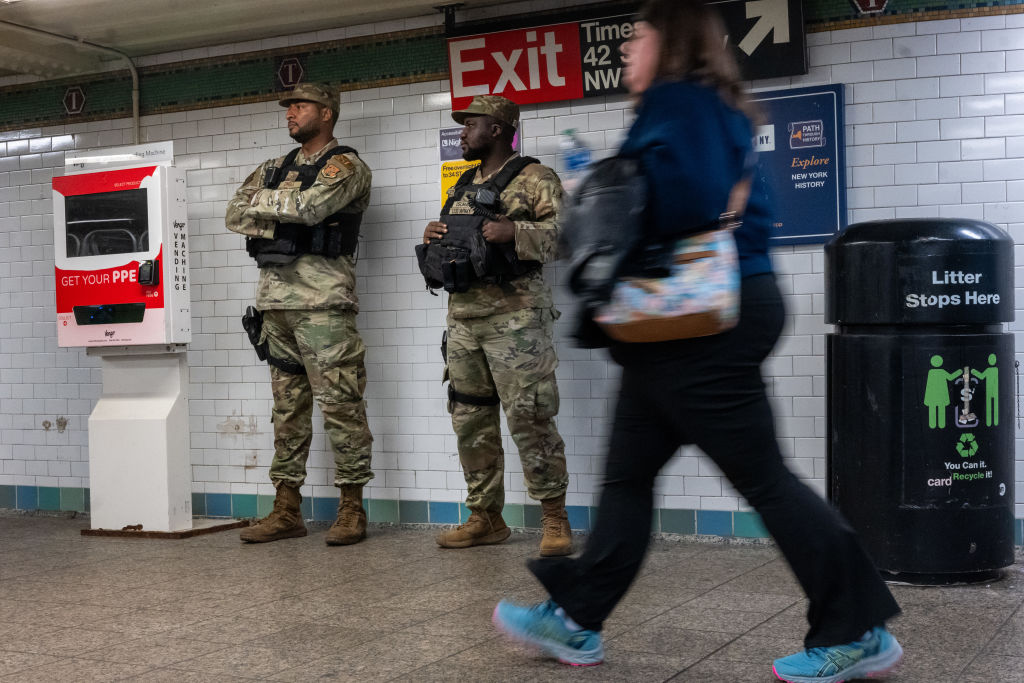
pixel 773 15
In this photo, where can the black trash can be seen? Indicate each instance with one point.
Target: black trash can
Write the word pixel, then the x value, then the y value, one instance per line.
pixel 920 395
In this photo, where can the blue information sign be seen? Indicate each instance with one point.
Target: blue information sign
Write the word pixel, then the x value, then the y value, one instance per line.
pixel 802 153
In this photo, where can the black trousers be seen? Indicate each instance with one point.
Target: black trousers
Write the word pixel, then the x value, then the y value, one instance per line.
pixel 709 392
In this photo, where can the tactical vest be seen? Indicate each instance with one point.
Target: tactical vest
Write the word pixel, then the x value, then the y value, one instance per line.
pixel 462 256
pixel 336 235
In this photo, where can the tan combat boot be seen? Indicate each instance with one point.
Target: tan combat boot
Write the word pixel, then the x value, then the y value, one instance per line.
pixel 284 521
pixel 557 539
pixel 350 527
pixel 482 528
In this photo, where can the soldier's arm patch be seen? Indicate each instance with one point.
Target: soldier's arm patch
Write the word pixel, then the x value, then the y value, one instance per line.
pixel 337 168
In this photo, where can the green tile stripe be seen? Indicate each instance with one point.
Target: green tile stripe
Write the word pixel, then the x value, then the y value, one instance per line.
pixel 683 522
pixel 738 524
pixel 36 104
pixel 72 500
pixel 367 61
pixel 48 498
pixel 348 64
pixel 378 510
pixel 385 59
pixel 748 525
pixel 8 497
pixel 513 514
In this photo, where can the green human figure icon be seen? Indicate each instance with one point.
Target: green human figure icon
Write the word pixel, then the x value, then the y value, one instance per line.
pixel 990 376
pixel 936 393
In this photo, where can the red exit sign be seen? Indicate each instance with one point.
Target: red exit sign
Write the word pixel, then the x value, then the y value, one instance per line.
pixel 571 60
pixel 525 65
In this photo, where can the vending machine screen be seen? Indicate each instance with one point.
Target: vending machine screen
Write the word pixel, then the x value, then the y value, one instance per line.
pixel 105 223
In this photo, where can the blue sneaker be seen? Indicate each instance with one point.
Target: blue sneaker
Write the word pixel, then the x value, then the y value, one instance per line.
pixel 542 626
pixel 876 654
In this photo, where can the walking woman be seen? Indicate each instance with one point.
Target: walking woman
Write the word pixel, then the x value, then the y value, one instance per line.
pixel 692 136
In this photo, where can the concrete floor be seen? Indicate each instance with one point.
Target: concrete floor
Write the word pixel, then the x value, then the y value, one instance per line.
pixel 396 607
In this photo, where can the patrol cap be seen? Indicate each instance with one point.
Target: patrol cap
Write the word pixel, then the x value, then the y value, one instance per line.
pixel 495 106
pixel 321 93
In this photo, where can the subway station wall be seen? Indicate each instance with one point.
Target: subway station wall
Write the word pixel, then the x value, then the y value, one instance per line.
pixel 935 127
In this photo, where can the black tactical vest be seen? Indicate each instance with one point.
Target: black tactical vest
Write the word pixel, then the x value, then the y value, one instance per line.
pixel 335 236
pixel 462 255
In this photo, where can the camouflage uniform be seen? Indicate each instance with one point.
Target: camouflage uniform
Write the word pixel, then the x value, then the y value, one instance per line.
pixel 309 308
pixel 500 341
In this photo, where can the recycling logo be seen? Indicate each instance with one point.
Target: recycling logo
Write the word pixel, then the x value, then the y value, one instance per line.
pixel 967 446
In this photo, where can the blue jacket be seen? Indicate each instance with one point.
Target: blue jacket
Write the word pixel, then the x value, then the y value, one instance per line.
pixel 693 148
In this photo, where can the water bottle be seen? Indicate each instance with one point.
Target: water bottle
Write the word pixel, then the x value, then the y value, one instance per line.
pixel 573 157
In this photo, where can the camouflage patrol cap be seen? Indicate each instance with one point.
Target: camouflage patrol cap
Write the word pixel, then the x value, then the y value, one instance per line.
pixel 495 106
pixel 321 93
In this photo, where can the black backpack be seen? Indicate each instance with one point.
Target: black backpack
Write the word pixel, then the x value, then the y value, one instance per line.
pixel 602 226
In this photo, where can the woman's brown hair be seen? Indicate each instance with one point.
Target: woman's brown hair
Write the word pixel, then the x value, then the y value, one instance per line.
pixel 693 45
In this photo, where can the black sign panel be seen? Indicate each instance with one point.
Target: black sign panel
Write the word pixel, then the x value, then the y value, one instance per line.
pixel 768 36
pixel 958 421
pixel 769 44
pixel 600 40
pixel 959 288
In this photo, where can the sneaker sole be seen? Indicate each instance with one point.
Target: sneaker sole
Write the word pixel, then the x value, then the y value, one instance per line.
pixel 562 654
pixel 870 667
pixel 489 539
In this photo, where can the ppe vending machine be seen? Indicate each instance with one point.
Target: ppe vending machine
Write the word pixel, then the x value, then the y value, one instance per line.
pixel 121 249
pixel 122 289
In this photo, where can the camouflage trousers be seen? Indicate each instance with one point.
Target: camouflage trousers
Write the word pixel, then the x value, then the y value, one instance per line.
pixel 328 345
pixel 513 355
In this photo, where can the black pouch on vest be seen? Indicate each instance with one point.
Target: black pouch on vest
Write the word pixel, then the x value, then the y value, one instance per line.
pixel 458 271
pixel 425 259
pixel 332 248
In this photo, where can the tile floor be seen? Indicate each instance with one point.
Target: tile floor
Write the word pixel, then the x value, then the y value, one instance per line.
pixel 396 607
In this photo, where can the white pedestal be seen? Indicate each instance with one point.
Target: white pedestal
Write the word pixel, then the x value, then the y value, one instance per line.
pixel 139 469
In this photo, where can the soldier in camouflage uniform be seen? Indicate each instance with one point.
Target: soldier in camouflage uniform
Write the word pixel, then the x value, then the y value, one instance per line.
pixel 500 344
pixel 309 308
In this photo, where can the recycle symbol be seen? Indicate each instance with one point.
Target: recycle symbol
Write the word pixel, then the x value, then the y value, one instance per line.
pixel 967 446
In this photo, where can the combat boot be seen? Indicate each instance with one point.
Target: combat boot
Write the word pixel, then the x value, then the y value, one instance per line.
pixel 482 528
pixel 350 527
pixel 557 539
pixel 284 521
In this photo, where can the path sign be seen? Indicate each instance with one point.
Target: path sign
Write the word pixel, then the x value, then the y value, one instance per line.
pixel 802 154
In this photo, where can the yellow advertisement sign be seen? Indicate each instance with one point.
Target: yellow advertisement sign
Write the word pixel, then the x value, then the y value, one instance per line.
pixel 450 173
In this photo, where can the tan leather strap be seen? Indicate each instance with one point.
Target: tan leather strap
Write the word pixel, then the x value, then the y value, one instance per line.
pixel 738 196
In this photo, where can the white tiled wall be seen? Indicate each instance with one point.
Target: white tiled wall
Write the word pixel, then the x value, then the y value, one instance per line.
pixel 935 114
